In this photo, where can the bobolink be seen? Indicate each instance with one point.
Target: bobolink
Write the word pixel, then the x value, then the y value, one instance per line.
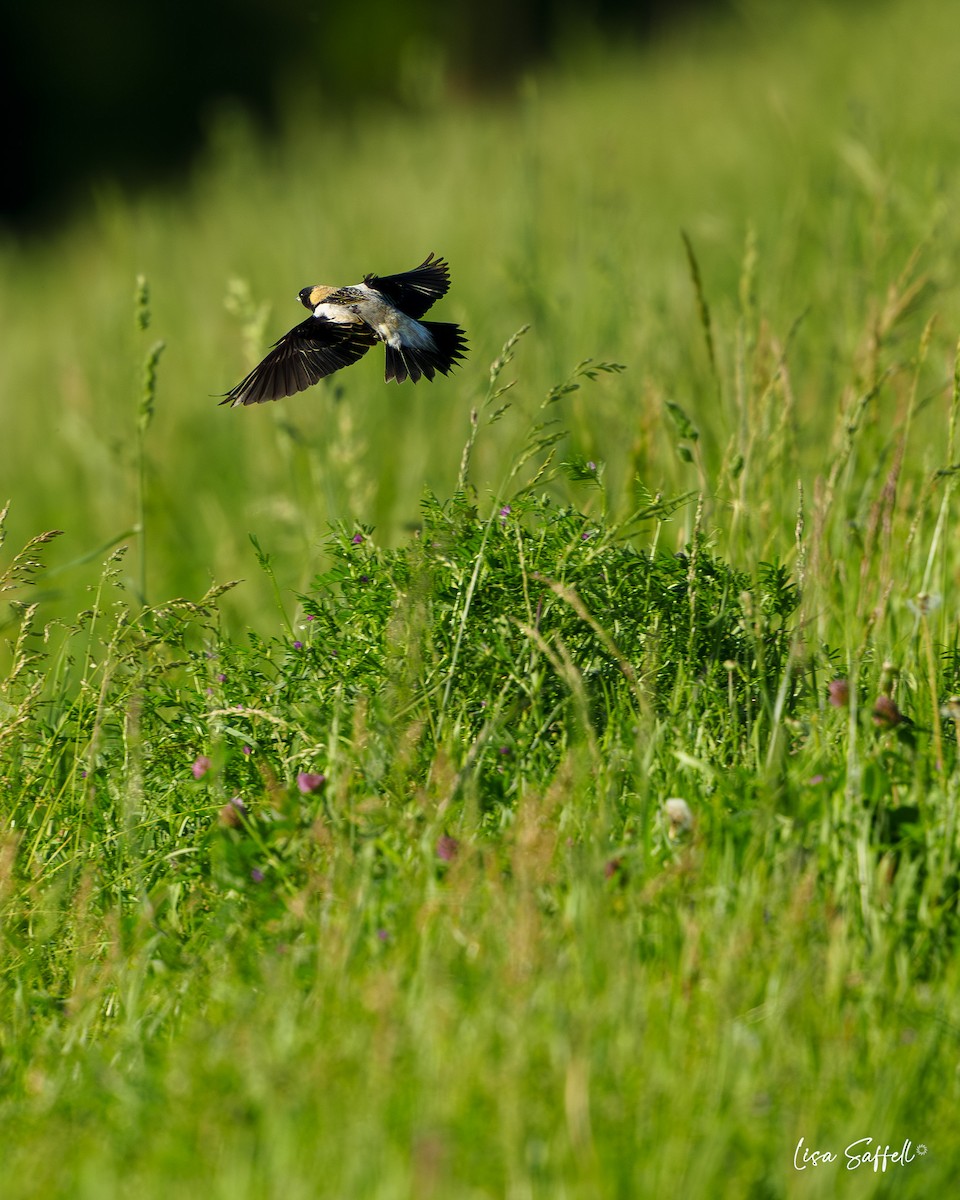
pixel 347 321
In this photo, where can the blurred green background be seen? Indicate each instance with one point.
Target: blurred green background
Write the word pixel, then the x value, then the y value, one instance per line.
pixel 818 147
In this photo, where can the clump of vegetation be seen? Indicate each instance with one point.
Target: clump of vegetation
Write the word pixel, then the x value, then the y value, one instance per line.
pixel 499 644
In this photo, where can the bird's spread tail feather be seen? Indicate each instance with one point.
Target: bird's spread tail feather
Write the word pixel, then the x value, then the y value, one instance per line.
pixel 446 344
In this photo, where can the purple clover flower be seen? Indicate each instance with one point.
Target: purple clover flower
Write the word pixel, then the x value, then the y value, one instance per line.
pixel 201 766
pixel 310 781
pixel 447 848
pixel 885 713
pixel 232 814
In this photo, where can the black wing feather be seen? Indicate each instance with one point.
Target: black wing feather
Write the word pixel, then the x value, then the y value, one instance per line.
pixel 311 350
pixel 414 292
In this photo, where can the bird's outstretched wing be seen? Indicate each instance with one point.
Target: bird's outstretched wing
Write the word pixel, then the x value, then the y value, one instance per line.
pixel 313 349
pixel 413 292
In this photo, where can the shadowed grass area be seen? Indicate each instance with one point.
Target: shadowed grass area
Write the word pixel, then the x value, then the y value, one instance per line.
pixel 566 803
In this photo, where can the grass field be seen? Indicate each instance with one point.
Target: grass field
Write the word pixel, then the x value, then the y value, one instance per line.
pixel 564 804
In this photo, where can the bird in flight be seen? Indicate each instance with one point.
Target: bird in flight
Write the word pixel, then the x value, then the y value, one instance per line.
pixel 347 321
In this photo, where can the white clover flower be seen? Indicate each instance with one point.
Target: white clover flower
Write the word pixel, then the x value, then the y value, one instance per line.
pixel 678 813
pixel 925 604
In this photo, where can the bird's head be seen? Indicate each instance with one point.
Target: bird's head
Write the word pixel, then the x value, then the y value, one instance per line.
pixel 310 297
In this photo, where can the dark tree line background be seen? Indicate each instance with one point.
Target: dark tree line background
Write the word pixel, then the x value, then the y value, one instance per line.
pixel 123 89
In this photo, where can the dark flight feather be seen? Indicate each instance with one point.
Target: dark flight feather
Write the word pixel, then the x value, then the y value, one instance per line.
pixel 313 349
pixel 414 292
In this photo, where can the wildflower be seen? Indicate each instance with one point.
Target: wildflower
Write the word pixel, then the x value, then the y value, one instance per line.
pixel 382 935
pixel 591 466
pixel 678 813
pixel 221 678
pixel 298 645
pixel 505 512
pixel 248 750
pixel 886 715
pixel 310 781
pixel 447 848
pixel 201 766
pixel 839 693
pixel 357 539
pixel 256 875
pixel 924 604
pixel 232 814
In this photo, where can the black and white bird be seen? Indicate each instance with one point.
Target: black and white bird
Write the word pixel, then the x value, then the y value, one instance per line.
pixel 347 321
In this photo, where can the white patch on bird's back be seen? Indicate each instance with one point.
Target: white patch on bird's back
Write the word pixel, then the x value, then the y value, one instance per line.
pixel 337 313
